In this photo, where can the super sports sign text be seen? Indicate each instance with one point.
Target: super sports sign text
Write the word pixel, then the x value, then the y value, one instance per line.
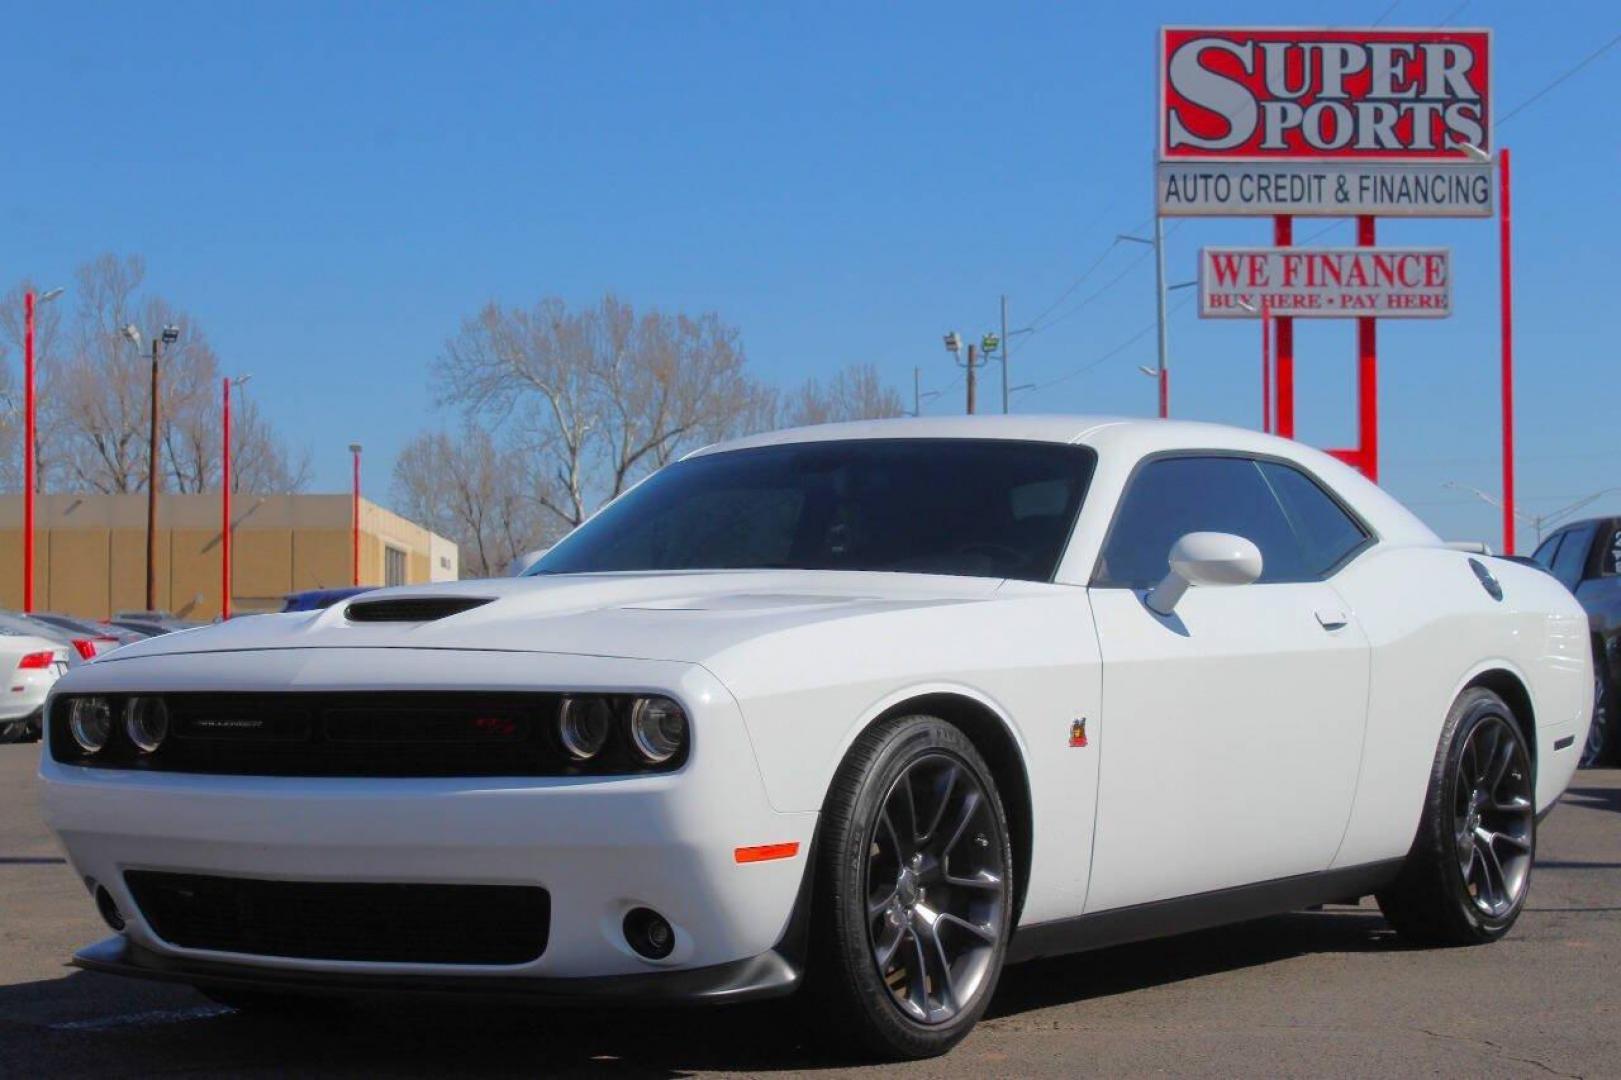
pixel 1328 122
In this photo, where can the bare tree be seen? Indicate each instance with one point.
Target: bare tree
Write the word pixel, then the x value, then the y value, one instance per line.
pixel 95 395
pixel 599 396
pixel 482 496
pixel 855 393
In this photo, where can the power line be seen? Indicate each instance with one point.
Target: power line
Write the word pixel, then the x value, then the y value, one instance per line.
pixel 1394 4
pixel 1077 283
pixel 1540 94
pixel 1454 13
pixel 1116 350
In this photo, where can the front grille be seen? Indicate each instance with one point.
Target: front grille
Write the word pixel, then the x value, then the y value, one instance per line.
pixel 356 734
pixel 311 920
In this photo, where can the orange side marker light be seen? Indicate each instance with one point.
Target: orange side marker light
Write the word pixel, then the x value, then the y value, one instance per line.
pixel 766 852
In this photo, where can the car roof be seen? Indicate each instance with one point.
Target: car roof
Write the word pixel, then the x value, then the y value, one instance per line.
pixel 1123 439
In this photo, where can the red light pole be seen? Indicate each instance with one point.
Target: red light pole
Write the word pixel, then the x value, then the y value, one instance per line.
pixel 1506 272
pixel 30 478
pixel 354 448
pixel 1266 367
pixel 225 510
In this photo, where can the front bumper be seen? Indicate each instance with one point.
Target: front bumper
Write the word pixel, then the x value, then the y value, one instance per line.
pixel 770 974
pixel 599 846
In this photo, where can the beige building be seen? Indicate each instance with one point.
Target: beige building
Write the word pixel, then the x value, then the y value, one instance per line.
pixel 90 551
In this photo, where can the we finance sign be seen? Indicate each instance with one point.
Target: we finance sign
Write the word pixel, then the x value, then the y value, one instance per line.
pixel 1326 122
pixel 1325 283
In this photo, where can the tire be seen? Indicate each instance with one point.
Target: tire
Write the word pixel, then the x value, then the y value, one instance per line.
pixel 1599 750
pixel 1466 878
pixel 934 894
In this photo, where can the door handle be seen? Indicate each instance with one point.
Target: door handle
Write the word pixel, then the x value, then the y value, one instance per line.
pixel 1332 618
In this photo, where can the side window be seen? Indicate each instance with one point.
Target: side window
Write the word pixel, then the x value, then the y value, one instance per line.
pixel 1571 561
pixel 1171 497
pixel 1327 533
pixel 1610 561
pixel 1547 551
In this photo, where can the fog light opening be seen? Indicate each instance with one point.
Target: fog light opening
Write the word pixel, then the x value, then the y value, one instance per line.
pixel 649 933
pixel 109 909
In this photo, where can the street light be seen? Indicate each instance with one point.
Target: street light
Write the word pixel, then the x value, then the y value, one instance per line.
pixel 225 499
pixel 30 469
pixel 1265 312
pixel 1158 244
pixel 354 449
pixel 167 335
pixel 1538 522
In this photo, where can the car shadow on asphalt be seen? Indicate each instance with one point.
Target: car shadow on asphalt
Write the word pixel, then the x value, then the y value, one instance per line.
pixel 1594 798
pixel 161 1029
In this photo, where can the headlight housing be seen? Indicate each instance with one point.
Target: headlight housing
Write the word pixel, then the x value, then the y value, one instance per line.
pixel 146 721
pixel 658 729
pixel 583 726
pixel 90 720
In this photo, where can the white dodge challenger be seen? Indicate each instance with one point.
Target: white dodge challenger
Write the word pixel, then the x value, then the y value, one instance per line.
pixel 870 708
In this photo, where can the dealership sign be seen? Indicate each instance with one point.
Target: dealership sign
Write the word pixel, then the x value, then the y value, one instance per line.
pixel 1325 283
pixel 1326 122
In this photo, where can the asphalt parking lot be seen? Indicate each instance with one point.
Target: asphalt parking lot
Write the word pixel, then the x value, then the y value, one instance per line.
pixel 1312 994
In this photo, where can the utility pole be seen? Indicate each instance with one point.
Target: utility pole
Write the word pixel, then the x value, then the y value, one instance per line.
pixel 167 336
pixel 917 391
pixel 1004 355
pixel 971 347
pixel 1159 289
pixel 152 489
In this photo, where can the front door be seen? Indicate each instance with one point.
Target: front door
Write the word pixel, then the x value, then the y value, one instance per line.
pixel 1232 729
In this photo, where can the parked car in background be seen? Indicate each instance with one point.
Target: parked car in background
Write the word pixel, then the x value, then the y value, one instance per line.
pixel 152 623
pixel 84 646
pixel 317 599
pixel 31 664
pixel 1586 558
pixel 106 635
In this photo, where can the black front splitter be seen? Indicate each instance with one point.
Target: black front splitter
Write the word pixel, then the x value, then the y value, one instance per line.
pixel 767 975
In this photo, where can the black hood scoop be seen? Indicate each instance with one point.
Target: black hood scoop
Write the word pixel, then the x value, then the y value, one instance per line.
pixel 412 609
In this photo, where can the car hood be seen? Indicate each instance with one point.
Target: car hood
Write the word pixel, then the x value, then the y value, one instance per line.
pixel 687 616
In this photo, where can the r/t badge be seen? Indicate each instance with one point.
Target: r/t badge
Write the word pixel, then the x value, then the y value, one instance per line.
pixel 1077 732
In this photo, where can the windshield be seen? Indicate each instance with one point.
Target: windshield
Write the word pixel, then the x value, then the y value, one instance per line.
pixel 974 508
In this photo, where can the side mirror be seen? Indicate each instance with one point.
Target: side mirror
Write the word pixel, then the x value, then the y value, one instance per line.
pixel 1205 558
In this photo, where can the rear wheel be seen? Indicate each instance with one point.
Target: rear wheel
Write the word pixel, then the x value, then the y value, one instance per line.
pixel 1599 750
pixel 913 890
pixel 1466 877
pixel 12 731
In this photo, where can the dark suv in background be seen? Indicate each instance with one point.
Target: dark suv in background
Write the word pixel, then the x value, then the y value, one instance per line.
pixel 1584 557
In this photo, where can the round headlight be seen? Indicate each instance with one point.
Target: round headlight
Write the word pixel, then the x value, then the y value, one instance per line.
pixel 583 724
pixel 658 727
pixel 147 721
pixel 90 720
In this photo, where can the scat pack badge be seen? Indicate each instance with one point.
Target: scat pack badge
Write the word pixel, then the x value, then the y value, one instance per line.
pixel 1077 732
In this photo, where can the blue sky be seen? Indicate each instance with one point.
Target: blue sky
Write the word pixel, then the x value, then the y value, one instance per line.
pixel 331 187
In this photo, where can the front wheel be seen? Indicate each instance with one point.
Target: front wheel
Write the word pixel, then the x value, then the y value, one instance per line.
pixel 914 896
pixel 1466 877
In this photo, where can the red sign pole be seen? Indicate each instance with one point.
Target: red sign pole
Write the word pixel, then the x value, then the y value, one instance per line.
pixel 1506 273
pixel 225 510
pixel 28 451
pixel 1266 367
pixel 1283 236
pixel 1367 369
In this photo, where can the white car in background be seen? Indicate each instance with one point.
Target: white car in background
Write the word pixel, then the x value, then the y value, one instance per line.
pixel 31 666
pixel 874 708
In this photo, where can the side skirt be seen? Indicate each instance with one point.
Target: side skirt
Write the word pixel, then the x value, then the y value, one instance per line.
pixel 1164 918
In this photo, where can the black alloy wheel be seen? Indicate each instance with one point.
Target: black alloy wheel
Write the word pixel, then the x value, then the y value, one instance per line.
pixel 914 892
pixel 1466 877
